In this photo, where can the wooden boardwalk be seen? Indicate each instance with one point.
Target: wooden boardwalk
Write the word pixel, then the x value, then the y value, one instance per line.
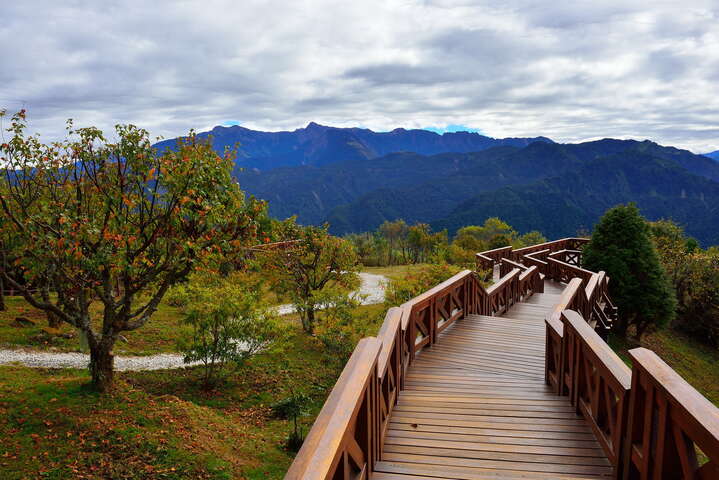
pixel 476 406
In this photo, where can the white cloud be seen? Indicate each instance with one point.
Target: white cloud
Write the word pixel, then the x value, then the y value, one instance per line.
pixel 570 70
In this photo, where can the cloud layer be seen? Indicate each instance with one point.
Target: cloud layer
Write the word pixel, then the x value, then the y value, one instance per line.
pixel 570 70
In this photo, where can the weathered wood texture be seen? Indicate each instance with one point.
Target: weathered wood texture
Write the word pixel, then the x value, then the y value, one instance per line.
pixel 464 382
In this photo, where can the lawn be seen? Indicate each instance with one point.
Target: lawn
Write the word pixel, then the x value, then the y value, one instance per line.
pixel 158 336
pixel 161 424
pixel 698 364
pixel 395 271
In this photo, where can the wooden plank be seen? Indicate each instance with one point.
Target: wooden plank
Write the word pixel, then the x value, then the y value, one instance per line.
pixel 504 412
pixel 588 442
pixel 489 416
pixel 517 464
pixel 517 431
pixel 589 455
pixel 415 471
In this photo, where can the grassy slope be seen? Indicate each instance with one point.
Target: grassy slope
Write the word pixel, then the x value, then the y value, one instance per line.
pixel 696 363
pixel 157 421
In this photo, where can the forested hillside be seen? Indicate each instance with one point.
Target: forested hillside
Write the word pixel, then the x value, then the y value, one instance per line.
pixel 565 204
pixel 355 179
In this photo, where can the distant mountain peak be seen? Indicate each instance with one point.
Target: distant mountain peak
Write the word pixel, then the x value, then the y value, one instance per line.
pixel 317 144
pixel 316 126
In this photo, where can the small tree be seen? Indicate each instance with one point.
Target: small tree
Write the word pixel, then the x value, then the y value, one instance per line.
pixel 293 407
pixel 229 326
pixel 316 261
pixel 528 239
pixel 694 274
pixel 337 327
pixel 115 223
pixel 396 235
pixel 622 247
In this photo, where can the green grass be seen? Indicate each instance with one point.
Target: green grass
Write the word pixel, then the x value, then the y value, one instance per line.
pixel 698 364
pixel 159 335
pixel 53 427
pixel 395 271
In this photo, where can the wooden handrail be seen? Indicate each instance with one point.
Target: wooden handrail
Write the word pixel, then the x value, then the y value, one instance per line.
pixel 506 265
pixel 487 259
pixel 347 437
pixel 332 445
pixel 668 421
pixel 649 421
pixel 538 259
pixel 599 383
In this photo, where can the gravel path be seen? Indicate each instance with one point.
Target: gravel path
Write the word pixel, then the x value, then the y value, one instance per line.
pixel 30 358
pixel 372 288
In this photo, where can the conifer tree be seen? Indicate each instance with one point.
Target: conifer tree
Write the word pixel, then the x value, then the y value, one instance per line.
pixel 621 246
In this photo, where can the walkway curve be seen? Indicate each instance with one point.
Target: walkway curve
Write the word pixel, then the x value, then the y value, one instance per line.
pixel 372 289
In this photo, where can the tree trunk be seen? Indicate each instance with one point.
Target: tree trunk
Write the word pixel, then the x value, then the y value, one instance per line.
pixel 2 295
pixel 52 320
pixel 310 324
pixel 101 364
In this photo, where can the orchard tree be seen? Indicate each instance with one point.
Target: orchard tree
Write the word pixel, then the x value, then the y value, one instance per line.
pixel 317 260
pixel 621 246
pixel 113 222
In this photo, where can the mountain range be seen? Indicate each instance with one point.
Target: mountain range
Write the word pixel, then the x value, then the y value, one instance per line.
pixel 355 179
pixel 319 145
pixel 713 155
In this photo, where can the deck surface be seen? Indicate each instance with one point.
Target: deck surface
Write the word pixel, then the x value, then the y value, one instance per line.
pixel 476 407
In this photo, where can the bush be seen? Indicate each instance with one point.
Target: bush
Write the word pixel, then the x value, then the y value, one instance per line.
pixel 338 328
pixel 292 408
pixel 694 275
pixel 228 327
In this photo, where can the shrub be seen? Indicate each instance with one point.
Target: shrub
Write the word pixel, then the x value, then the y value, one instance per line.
pixel 694 275
pixel 228 327
pixel 338 328
pixel 292 408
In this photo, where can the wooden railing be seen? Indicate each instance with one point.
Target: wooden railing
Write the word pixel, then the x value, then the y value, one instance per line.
pixel 347 436
pixel 672 430
pixel 598 383
pixel 506 265
pixel 343 439
pixel 487 259
pixel 650 423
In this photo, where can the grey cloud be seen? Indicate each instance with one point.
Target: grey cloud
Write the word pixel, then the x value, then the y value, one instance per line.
pixel 567 70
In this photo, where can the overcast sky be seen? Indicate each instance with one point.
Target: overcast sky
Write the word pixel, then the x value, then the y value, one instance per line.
pixel 571 70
